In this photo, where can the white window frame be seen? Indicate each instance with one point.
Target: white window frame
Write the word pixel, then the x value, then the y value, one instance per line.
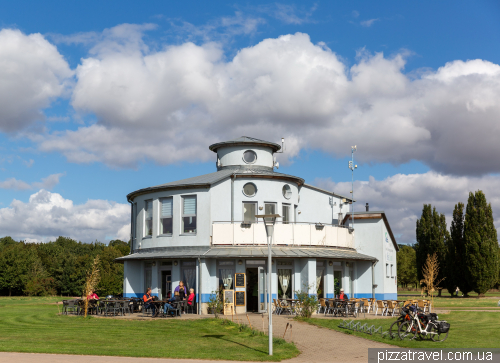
pixel 392 273
pixel 289 206
pixel 243 211
pixel 189 215
pixel 387 270
pixel 161 217
pixel 145 234
pixel 275 207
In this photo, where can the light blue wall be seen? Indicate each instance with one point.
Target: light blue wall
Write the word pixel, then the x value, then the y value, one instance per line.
pixel 372 238
pixel 233 156
pixel 268 190
pixel 315 206
pixel 204 225
pixel 220 201
pixel 363 279
pixel 133 279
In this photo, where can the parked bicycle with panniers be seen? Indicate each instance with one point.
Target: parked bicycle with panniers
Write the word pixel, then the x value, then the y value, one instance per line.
pixel 425 326
pixel 405 315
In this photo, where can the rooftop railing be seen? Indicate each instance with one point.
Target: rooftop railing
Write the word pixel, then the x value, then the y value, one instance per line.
pixel 285 234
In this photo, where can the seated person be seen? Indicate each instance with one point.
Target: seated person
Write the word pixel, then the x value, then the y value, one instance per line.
pixel 343 296
pixel 92 296
pixel 191 297
pixel 147 301
pixel 168 307
pixel 175 297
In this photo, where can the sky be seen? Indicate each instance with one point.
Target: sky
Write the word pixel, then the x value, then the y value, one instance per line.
pixel 98 99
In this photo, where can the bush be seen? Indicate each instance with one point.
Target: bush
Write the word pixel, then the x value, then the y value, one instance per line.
pixel 308 303
pixel 215 303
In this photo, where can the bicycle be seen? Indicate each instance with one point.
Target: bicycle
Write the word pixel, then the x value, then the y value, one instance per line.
pixel 405 315
pixel 425 326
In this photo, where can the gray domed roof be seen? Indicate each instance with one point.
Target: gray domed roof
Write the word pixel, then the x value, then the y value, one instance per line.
pixel 245 140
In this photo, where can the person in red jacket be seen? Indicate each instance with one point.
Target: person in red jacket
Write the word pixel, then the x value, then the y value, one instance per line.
pixel 191 297
pixel 343 296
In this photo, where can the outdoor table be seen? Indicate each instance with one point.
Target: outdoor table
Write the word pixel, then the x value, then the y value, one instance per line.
pixel 291 303
pixel 105 303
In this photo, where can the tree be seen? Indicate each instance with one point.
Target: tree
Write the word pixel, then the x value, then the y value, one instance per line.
pixel 430 272
pixel 432 235
pixel 16 261
pixel 111 282
pixel 455 254
pixel 123 247
pixel 481 244
pixel 406 265
pixel 5 242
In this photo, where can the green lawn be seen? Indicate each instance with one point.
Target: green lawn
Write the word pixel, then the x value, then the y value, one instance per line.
pixel 459 302
pixel 446 294
pixel 468 330
pixel 33 325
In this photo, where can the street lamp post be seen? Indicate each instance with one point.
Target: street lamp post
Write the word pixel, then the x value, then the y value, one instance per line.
pixel 269 221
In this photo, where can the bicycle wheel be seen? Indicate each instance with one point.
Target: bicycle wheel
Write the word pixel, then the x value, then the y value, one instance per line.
pixel 393 329
pixel 438 337
pixel 407 331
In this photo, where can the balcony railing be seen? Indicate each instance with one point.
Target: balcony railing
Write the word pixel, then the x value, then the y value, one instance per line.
pixel 285 234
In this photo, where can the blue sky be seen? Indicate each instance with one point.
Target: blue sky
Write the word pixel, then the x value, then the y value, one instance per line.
pixel 412 84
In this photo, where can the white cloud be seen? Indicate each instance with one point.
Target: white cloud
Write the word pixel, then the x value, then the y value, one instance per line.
pixel 369 23
pixel 222 29
pixel 48 215
pixel 47 183
pixel 168 105
pixel 29 163
pixel 289 14
pixel 402 197
pixel 32 73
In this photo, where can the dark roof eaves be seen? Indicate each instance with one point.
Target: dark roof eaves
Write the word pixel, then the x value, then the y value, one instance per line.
pixel 251 141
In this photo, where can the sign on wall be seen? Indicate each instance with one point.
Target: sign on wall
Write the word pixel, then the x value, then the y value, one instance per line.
pixel 228 302
pixel 239 280
pixel 240 298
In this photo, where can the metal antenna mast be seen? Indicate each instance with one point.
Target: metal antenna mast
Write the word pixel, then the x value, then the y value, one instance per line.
pixel 352 167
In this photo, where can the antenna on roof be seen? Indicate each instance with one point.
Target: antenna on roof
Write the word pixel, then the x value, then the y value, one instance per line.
pixel 282 146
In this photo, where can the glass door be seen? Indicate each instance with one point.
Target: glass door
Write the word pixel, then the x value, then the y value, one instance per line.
pixel 337 278
pixel 262 290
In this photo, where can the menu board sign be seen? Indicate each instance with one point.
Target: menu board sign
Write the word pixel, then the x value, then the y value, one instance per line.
pixel 228 302
pixel 240 280
pixel 240 298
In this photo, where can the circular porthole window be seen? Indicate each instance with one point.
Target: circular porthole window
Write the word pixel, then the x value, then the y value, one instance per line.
pixel 249 189
pixel 287 191
pixel 249 157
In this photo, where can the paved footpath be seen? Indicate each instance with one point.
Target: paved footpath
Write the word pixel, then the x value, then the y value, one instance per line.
pixel 317 345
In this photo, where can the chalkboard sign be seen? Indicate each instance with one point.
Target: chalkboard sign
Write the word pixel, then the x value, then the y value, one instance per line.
pixel 240 280
pixel 228 296
pixel 228 302
pixel 240 298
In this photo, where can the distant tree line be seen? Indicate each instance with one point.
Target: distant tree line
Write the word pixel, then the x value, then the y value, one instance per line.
pixel 468 254
pixel 59 267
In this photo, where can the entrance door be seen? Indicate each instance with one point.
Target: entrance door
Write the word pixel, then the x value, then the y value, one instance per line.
pixel 166 284
pixel 337 275
pixel 262 290
pixel 253 298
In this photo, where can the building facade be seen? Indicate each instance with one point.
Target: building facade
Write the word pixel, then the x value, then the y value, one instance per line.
pixel 203 231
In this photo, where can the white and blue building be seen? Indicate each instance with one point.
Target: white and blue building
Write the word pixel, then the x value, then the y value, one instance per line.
pixel 203 231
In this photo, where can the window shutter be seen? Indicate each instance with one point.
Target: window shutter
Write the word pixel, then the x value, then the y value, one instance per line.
pixel 190 205
pixel 166 207
pixel 149 209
